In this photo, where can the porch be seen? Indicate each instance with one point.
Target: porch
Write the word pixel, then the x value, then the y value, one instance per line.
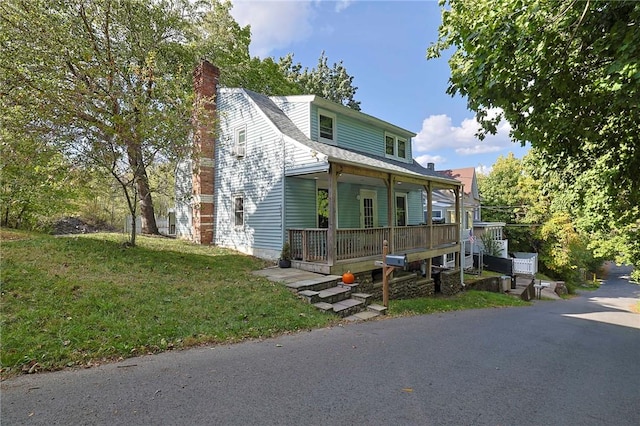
pixel 356 249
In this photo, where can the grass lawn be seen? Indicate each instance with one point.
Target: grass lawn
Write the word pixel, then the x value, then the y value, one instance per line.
pixel 82 300
pixel 471 299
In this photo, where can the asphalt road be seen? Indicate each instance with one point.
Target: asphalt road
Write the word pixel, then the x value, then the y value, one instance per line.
pixel 568 362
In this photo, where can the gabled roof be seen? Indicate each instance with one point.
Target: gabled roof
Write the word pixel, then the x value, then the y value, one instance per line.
pixel 467 176
pixel 333 153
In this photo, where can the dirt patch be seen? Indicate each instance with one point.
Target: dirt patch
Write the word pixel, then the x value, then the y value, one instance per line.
pixel 76 225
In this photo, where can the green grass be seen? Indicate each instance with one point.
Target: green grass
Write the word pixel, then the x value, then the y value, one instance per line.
pixel 82 300
pixel 85 299
pixel 471 299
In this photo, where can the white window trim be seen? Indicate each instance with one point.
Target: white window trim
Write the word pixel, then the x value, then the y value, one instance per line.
pixel 233 209
pixel 331 115
pixel 436 214
pixel 396 138
pixel 240 150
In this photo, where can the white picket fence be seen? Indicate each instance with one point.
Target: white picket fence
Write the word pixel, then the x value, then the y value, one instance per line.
pixel 525 263
pixel 166 225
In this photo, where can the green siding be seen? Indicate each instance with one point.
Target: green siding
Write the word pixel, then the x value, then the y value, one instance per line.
pixel 415 208
pixel 355 134
pixel 348 206
pixel 300 203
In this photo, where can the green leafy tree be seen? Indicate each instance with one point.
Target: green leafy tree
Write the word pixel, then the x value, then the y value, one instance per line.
pixel 512 196
pixel 109 82
pixel 566 76
pixel 36 182
pixel 331 83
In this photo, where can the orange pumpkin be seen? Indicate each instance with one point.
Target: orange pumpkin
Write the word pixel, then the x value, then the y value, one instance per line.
pixel 348 278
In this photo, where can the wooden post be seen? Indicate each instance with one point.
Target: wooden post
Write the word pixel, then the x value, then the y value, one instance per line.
pixel 390 210
pixel 386 271
pixel 333 220
pixel 385 274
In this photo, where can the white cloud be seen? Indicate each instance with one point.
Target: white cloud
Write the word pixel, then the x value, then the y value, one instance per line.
pixel 274 24
pixel 481 169
pixel 277 24
pixel 438 132
pixel 424 159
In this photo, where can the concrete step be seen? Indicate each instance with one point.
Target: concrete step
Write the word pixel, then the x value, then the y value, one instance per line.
pixel 365 298
pixel 362 316
pixel 382 310
pixel 326 307
pixel 353 286
pixel 315 284
pixel 334 294
pixel 309 296
pixel 347 307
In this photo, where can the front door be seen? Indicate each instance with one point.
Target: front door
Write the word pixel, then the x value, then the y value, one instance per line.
pixel 368 208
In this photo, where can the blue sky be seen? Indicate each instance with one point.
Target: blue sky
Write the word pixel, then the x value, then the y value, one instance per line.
pixel 383 45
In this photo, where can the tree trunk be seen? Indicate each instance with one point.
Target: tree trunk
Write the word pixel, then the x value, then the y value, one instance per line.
pixel 132 240
pixel 147 213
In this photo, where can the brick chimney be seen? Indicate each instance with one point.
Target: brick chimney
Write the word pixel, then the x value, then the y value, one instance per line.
pixel 205 83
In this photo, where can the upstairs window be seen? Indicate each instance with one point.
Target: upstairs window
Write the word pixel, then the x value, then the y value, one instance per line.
pixel 402 148
pixel 240 142
pixel 327 127
pixel 390 145
pixel 395 146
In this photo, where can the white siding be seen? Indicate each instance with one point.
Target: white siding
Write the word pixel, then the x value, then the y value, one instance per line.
pixel 184 184
pixel 298 112
pixel 257 177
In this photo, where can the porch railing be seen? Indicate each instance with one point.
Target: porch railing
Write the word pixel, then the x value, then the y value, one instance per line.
pixel 310 244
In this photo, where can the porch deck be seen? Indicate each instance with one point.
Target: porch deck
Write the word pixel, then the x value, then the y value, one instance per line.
pixel 356 249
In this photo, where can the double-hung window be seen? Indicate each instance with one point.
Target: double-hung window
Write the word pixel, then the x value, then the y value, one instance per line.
pixel 238 210
pixel 240 142
pixel 327 127
pixel 395 146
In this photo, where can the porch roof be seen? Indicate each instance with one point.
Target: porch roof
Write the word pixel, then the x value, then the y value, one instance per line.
pixel 332 154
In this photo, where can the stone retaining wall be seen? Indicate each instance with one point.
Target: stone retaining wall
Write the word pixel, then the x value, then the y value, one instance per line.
pixel 405 286
pixel 450 282
pixel 486 284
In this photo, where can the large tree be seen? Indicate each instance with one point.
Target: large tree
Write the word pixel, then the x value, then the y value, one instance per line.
pixel 108 81
pixel 332 83
pixel 566 76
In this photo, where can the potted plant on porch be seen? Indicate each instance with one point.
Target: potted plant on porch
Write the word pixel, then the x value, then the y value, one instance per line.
pixel 285 256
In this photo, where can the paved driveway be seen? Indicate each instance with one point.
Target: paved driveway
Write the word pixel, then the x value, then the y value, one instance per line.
pixel 569 362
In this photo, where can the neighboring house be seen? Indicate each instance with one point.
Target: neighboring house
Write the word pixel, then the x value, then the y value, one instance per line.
pixel 446 207
pixel 474 231
pixel 332 181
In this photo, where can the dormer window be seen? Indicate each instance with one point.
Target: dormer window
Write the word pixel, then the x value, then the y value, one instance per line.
pixel 395 146
pixel 327 127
